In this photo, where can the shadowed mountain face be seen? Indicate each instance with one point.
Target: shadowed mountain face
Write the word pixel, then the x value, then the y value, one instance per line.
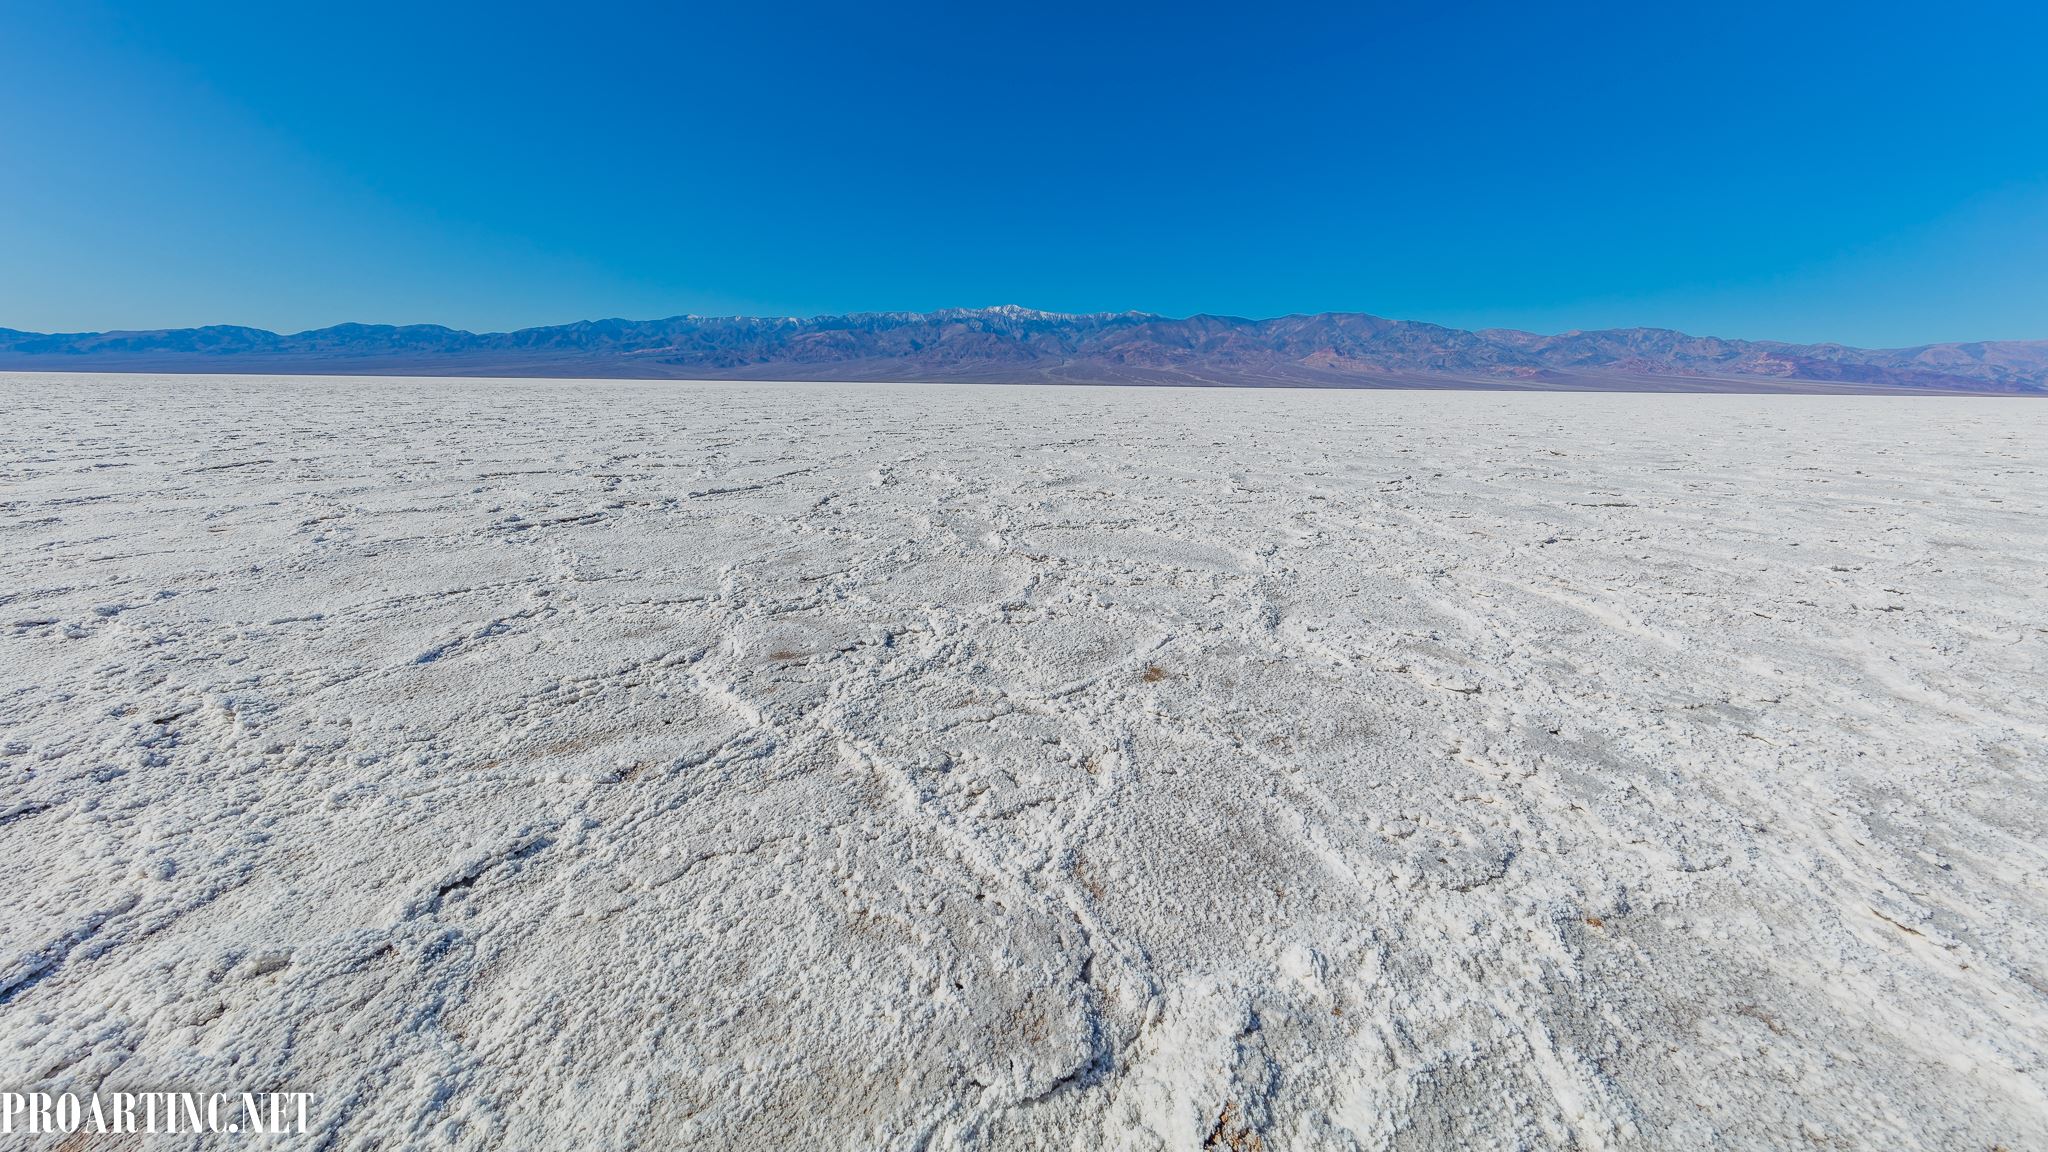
pixel 1019 345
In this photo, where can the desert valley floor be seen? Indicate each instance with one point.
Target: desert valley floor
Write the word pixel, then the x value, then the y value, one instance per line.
pixel 585 765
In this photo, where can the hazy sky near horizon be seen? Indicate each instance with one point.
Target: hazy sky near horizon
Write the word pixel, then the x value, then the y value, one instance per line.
pixel 1871 173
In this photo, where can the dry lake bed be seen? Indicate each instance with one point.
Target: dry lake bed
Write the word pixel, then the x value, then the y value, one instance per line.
pixel 585 765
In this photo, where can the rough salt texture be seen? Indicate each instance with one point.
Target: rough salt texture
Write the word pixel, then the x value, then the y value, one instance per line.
pixel 592 765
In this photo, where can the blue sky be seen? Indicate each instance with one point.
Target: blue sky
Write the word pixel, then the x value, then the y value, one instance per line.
pixel 1871 173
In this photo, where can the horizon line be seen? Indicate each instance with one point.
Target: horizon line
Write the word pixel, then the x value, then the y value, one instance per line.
pixel 1003 309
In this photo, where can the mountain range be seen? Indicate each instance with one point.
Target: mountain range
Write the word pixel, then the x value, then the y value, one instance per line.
pixel 1020 345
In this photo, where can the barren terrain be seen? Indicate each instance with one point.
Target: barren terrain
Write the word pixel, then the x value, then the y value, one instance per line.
pixel 584 765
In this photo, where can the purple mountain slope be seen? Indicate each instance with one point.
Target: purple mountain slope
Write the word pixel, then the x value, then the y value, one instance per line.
pixel 1019 345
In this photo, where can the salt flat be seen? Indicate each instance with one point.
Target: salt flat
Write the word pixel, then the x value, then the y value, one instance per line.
pixel 594 765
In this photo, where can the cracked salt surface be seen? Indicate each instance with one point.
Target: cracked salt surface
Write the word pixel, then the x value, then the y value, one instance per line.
pixel 608 765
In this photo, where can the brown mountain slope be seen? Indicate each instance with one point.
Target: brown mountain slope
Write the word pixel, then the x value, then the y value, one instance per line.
pixel 1019 345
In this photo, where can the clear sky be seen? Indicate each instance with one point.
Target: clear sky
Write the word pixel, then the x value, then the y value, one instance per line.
pixel 1875 173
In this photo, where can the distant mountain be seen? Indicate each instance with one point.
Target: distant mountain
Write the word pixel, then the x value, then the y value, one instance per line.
pixel 1019 345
